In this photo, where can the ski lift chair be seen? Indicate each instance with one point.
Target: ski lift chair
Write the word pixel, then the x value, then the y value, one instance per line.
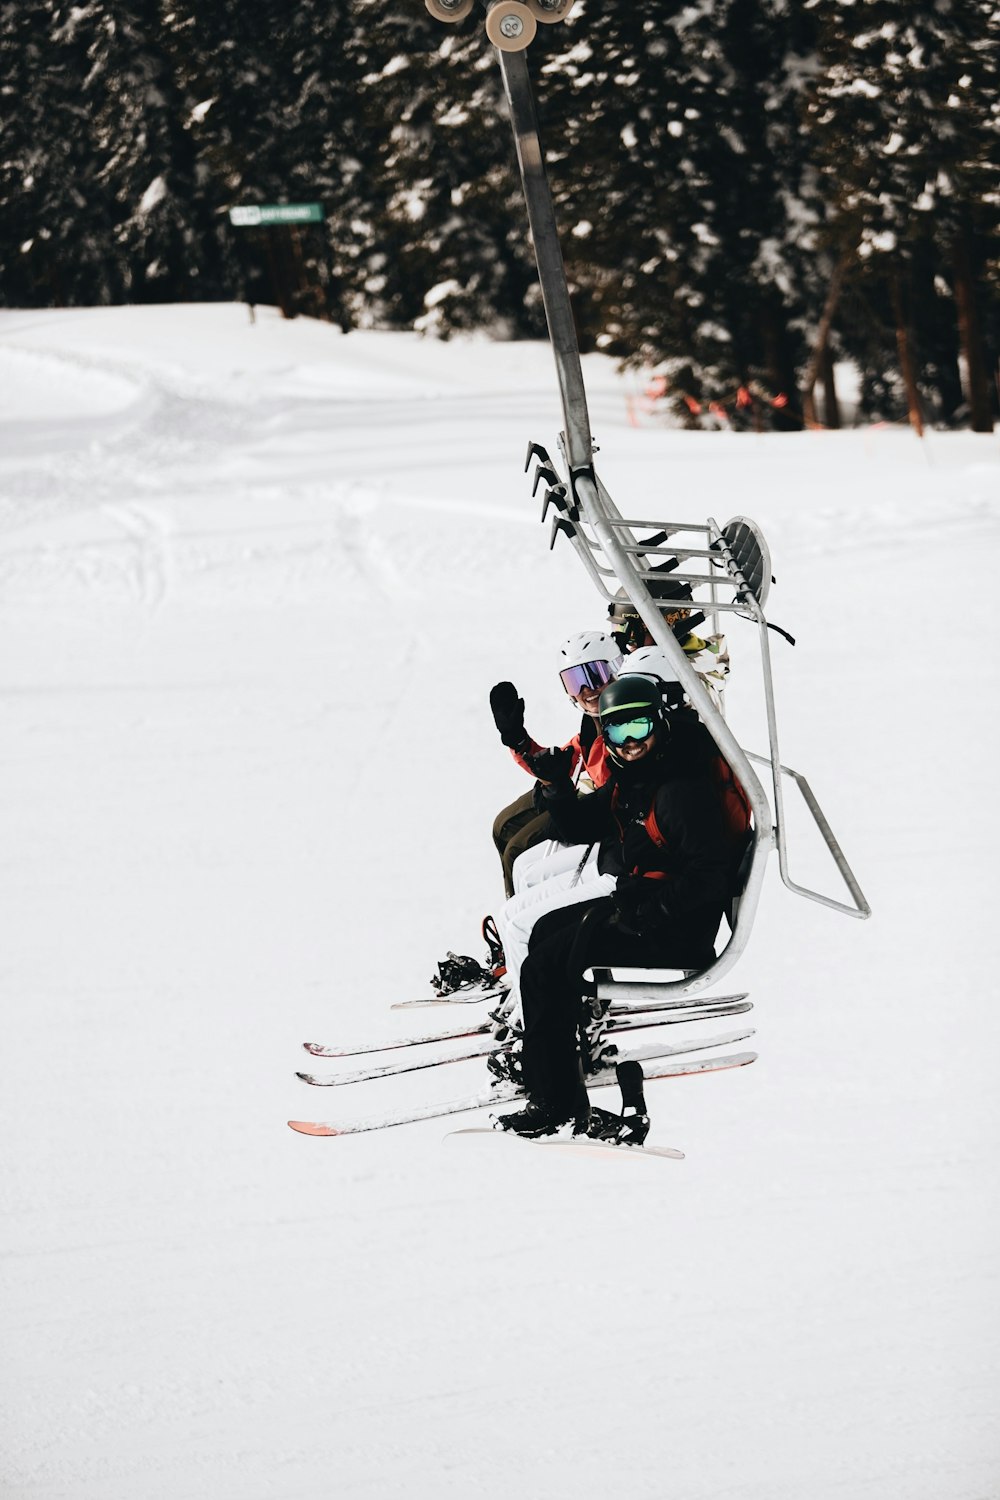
pixel 728 570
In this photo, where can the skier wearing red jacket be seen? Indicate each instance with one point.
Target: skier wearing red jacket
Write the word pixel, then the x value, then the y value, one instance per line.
pixel 588 661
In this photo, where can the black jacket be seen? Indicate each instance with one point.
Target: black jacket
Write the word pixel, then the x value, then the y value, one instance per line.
pixel 660 820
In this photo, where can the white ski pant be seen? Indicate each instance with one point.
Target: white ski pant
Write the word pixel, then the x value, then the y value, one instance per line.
pixel 547 859
pixel 545 877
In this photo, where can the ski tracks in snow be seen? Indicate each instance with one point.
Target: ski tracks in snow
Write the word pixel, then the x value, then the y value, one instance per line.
pixel 163 481
pixel 148 543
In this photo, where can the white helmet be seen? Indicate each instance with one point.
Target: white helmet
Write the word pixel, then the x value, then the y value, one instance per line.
pixel 654 662
pixel 589 645
pixel 651 661
pixel 589 659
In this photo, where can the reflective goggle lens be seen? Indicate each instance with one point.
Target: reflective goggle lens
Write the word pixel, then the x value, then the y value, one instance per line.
pixel 589 674
pixel 633 729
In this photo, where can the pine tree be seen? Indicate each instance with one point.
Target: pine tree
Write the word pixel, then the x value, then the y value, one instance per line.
pixel 679 132
pixel 746 189
pixel 903 124
pixel 58 210
pixel 166 239
pixel 449 229
pixel 280 122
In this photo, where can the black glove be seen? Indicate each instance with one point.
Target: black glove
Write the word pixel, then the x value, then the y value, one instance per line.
pixel 508 714
pixel 553 766
pixel 638 907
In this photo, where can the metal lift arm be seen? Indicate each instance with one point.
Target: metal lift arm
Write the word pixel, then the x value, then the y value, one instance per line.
pixel 611 552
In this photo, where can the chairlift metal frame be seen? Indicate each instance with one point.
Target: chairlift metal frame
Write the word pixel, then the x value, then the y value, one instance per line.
pixel 734 569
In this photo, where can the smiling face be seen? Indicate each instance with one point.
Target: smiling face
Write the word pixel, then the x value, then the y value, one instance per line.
pixel 634 750
pixel 588 700
pixel 586 681
pixel 630 735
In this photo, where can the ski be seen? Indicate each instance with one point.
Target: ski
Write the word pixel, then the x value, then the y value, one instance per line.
pixel 508 1093
pixel 321 1049
pixel 473 997
pixel 465 996
pixel 619 1008
pixel 575 1145
pixel 489 1044
pixel 687 1010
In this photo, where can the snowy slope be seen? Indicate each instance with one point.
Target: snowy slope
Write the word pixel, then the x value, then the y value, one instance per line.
pixel 255 583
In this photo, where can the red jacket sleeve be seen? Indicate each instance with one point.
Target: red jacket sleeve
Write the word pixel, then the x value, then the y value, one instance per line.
pixel 532 747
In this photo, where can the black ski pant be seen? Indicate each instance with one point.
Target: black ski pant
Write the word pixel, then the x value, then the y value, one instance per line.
pixel 563 944
pixel 516 828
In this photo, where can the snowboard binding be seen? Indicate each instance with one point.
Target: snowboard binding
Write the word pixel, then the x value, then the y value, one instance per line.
pixel 631 1127
pixel 457 971
pixel 495 960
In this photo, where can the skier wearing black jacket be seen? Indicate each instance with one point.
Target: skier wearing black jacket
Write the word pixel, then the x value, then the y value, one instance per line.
pixel 662 830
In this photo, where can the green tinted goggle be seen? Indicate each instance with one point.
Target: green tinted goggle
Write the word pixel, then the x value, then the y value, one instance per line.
pixel 637 729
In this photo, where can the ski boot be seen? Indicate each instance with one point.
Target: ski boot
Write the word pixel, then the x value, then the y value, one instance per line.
pixel 533 1121
pixel 540 1118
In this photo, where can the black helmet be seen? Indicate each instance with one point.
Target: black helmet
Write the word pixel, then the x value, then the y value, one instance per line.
pixel 673 597
pixel 632 700
pixel 631 691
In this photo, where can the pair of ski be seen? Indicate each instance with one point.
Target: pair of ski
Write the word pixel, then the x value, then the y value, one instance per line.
pixel 672 1012
pixel 654 1058
pixel 481 1044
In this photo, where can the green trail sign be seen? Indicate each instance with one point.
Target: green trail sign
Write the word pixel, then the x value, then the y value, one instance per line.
pixel 250 216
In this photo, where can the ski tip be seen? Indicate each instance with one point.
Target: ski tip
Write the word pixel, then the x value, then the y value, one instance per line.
pixel 307 1077
pixel 457 997
pixel 434 1004
pixel 310 1127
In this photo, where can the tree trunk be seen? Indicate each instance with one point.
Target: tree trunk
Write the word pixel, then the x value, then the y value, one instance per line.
pixel 819 353
pixel 906 358
pixel 970 337
pixel 779 367
pixel 831 406
pixel 275 248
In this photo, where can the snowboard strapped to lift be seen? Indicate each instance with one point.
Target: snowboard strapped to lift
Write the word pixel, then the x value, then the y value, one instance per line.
pixel 727 567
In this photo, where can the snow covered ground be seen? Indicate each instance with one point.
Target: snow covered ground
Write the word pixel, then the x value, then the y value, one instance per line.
pixel 255 584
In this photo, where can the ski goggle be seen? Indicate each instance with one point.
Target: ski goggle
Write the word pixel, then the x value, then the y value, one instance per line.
pixel 637 729
pixel 589 674
pixel 630 631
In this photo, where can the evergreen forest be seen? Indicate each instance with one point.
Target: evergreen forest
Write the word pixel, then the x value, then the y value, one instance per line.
pixel 749 191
